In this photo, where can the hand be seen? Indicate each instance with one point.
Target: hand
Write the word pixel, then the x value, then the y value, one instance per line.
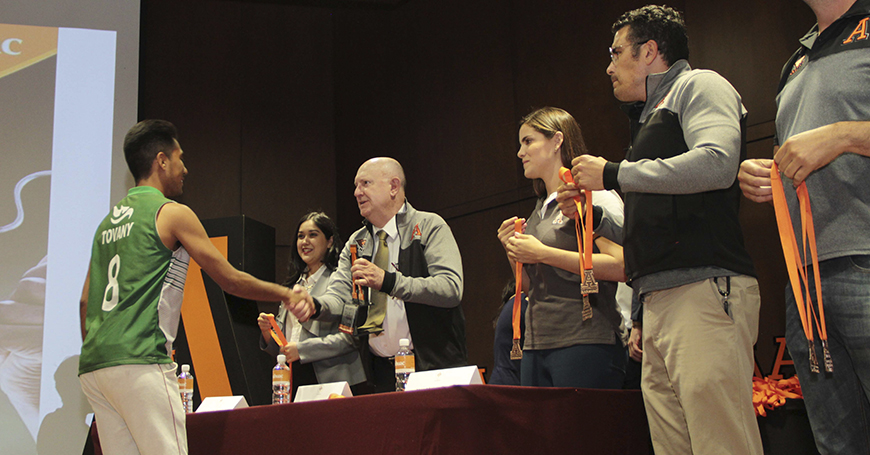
pixel 803 153
pixel 506 230
pixel 263 322
pixel 525 248
pixel 635 344
pixel 588 172
pixel 291 351
pixel 299 302
pixel 364 273
pixel 565 195
pixel 754 177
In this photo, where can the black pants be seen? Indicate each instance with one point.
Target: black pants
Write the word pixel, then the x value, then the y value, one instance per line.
pixel 303 374
pixel 383 374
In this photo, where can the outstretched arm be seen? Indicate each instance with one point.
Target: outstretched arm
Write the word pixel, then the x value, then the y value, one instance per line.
pixel 178 224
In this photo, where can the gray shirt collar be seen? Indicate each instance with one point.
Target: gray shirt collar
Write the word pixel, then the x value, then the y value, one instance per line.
pixel 659 84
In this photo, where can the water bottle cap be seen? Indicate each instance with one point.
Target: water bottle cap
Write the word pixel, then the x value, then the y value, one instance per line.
pixel 282 359
pixel 185 368
pixel 404 343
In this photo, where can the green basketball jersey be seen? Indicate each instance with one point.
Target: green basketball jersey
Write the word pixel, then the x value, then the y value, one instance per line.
pixel 136 287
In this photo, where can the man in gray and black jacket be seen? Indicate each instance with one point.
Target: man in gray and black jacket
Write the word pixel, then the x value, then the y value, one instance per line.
pixel 684 252
pixel 422 279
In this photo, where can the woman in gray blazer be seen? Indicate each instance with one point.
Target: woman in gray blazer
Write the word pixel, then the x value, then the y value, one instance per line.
pixel 319 352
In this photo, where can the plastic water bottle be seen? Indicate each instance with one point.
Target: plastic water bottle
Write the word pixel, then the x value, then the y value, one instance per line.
pixel 404 364
pixel 185 386
pixel 281 381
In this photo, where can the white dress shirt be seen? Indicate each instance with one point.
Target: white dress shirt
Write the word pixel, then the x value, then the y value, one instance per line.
pixel 386 343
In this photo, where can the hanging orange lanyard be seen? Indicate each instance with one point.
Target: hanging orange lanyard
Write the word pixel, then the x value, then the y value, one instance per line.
pixel 583 227
pixel 349 314
pixel 797 268
pixel 357 292
pixel 277 334
pixel 516 349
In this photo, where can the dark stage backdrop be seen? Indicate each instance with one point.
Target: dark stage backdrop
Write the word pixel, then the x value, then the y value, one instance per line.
pixel 279 102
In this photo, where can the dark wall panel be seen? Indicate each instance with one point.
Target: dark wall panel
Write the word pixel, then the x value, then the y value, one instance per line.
pixel 748 42
pixel 433 89
pixel 288 159
pixel 562 60
pixel 190 75
pixel 250 87
pixel 365 102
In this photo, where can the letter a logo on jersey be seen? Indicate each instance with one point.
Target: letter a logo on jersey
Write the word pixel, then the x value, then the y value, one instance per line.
pixel 797 65
pixel 860 32
pixel 416 232
pixel 120 212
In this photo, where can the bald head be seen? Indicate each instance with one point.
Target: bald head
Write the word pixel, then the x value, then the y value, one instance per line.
pixel 380 189
pixel 388 167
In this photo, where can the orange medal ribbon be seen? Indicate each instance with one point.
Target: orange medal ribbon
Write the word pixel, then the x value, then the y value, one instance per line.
pixel 583 226
pixel 769 393
pixel 357 290
pixel 277 334
pixel 516 349
pixel 797 268
pixel 347 321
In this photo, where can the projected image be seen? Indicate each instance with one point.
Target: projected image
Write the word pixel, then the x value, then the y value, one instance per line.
pixel 27 81
pixel 56 112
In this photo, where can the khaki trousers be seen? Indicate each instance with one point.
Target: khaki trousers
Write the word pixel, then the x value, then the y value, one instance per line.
pixel 698 363
pixel 138 409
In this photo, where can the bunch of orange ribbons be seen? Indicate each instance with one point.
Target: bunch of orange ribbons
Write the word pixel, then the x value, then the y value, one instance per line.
pixel 771 393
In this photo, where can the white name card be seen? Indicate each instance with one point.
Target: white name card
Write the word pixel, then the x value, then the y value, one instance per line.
pixel 222 403
pixel 433 379
pixel 322 391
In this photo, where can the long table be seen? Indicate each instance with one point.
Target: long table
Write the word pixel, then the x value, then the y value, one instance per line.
pixel 480 419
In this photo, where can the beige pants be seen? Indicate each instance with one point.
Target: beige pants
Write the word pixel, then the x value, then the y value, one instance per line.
pixel 138 409
pixel 698 363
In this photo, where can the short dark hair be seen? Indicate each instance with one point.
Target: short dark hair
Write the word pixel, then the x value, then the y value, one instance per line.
pixel 323 222
pixel 548 121
pixel 662 24
pixel 144 141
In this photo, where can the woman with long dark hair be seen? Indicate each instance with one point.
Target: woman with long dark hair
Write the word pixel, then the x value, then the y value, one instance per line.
pixel 319 352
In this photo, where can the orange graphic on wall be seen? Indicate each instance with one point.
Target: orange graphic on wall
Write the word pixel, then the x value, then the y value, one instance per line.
pixel 23 45
pixel 202 339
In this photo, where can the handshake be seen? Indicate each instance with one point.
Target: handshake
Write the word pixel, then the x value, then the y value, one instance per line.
pixel 299 302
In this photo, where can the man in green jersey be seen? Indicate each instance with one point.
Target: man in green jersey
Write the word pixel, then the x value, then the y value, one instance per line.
pixel 131 302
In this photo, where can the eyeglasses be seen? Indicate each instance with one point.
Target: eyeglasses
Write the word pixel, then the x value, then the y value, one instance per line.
pixel 615 51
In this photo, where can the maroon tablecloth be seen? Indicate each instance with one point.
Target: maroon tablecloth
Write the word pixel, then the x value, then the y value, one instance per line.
pixel 480 419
